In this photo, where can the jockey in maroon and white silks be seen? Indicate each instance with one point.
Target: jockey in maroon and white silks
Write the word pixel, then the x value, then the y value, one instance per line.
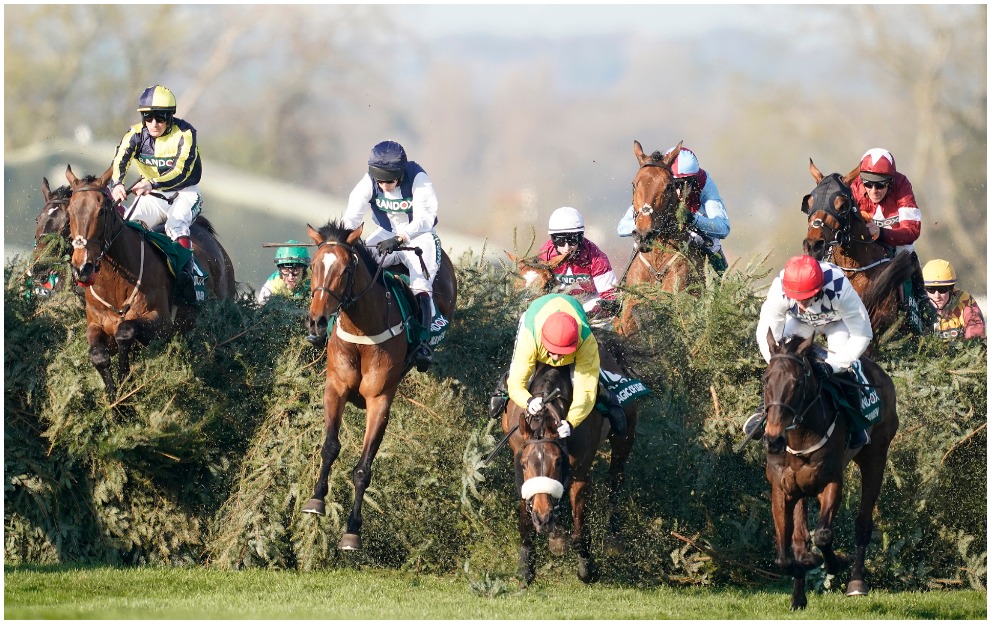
pixel 885 198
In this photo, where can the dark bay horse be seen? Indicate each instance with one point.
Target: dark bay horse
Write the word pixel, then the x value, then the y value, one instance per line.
pixel 805 439
pixel 838 234
pixel 663 254
pixel 367 351
pixel 547 468
pixel 51 237
pixel 129 290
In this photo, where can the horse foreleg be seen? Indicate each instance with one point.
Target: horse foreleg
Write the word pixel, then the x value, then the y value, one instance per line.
pixel 871 476
pixel 587 570
pixel 621 448
pixel 377 416
pixel 527 569
pixel 829 504
pixel 801 539
pixel 784 509
pixel 333 407
pixel 99 355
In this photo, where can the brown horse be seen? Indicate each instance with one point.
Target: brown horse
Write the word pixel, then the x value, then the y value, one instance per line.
pixel 806 444
pixel 548 467
pixel 662 251
pixel 838 234
pixel 129 290
pixel 368 353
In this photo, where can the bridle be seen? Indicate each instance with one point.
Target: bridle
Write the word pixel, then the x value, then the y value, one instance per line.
pixel 539 441
pixel 816 400
pixel 106 242
pixel 647 210
pixel 346 299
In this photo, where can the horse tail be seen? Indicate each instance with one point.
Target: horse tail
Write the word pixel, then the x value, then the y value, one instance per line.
pixel 204 223
pixel 897 271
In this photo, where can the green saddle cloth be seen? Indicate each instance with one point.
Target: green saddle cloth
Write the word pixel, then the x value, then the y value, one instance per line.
pixel 865 414
pixel 624 388
pixel 176 256
pixel 398 285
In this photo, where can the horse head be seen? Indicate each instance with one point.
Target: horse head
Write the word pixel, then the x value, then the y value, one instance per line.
pixel 51 233
pixel 655 196
pixel 790 389
pixel 333 272
pixel 833 216
pixel 90 212
pixel 542 462
pixel 536 274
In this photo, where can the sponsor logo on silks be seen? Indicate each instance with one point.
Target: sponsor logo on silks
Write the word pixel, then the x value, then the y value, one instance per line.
pixel 815 318
pixel 886 222
pixel 161 163
pixel 870 400
pixel 625 388
pixel 570 278
pixel 394 205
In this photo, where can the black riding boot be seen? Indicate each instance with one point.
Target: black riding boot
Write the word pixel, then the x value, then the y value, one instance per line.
pixel 927 312
pixel 423 357
pixel 754 422
pixel 614 411
pixel 499 398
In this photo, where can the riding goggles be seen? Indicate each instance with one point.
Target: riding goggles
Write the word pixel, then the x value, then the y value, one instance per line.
pixel 574 239
pixel 159 116
pixel 939 289
pixel 879 185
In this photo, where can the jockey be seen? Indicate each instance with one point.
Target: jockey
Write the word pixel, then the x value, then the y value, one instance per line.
pixel 290 280
pixel 887 203
pixel 555 330
pixel 960 317
pixel 586 271
pixel 709 223
pixel 164 151
pixel 404 206
pixel 811 297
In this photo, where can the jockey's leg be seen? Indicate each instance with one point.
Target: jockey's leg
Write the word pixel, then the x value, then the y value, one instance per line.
pixel 837 336
pixel 614 410
pixel 185 207
pixel 852 392
pixel 927 312
pixel 500 397
pixel 421 281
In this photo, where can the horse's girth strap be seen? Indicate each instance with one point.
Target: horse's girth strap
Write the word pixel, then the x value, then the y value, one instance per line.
pixel 664 269
pixel 137 286
pixel 379 338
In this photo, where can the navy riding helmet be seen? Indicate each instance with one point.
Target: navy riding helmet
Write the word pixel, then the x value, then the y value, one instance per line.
pixel 387 162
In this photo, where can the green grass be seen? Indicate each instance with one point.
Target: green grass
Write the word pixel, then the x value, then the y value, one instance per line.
pixel 32 592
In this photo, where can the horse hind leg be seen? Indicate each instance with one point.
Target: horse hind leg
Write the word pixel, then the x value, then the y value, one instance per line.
pixel 829 502
pixel 588 571
pixel 872 475
pixel 621 449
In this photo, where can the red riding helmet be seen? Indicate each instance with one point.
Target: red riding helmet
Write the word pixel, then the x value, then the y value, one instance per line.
pixel 559 334
pixel 877 165
pixel 802 277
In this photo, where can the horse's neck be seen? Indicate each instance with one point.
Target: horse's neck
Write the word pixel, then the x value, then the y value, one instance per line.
pixel 368 313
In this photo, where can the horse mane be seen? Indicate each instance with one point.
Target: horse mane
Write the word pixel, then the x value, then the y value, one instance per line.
pixel 62 193
pixel 657 156
pixel 334 230
pixel 206 225
pixel 898 270
pixel 791 344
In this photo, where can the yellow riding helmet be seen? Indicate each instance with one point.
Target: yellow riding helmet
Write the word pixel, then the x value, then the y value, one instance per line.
pixel 939 273
pixel 156 98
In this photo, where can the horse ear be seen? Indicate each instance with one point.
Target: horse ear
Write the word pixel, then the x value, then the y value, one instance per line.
pixel 46 191
pixel 673 156
pixel 314 235
pixel 816 174
pixel 771 342
pixel 803 347
pixel 850 177
pixel 512 257
pixel 355 235
pixel 71 177
pixel 638 152
pixel 106 175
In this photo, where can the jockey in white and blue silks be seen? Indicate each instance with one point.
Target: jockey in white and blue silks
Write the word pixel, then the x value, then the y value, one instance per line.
pixel 404 207
pixel 711 223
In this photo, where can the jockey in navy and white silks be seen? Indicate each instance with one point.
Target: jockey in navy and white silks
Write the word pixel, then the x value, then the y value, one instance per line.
pixel 809 297
pixel 710 221
pixel 404 207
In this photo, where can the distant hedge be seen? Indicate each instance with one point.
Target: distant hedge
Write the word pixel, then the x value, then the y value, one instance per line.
pixel 214 447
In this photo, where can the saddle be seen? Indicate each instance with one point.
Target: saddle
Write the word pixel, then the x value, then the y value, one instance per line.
pixel 854 394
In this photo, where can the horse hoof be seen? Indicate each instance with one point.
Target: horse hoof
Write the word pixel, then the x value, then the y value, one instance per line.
pixel 557 543
pixel 350 541
pixel 856 588
pixel 587 571
pixel 314 506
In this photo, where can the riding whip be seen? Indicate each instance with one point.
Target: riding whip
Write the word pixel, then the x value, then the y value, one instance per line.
pixel 553 394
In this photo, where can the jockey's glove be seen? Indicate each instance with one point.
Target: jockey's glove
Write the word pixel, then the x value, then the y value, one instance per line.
pixel 564 429
pixel 534 405
pixel 389 245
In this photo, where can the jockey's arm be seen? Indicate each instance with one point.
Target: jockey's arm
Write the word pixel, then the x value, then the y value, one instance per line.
pixel 123 155
pixel 773 314
pixel 858 324
pixel 712 219
pixel 522 367
pixel 424 208
pixel 627 224
pixel 358 200
pixel 585 382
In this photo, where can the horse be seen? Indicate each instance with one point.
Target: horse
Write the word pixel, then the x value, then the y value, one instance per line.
pixel 541 469
pixel 662 253
pixel 129 291
pixel 51 238
pixel 838 234
pixel 367 352
pixel 806 447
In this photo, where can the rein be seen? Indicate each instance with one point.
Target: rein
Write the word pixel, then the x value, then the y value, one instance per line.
pixel 799 417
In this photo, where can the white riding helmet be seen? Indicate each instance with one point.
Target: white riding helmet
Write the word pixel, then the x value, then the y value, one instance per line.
pixel 565 220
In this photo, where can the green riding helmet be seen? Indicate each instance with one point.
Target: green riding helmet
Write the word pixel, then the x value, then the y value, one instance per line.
pixel 290 255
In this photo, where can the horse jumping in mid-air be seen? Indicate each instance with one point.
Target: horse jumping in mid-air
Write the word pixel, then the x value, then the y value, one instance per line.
pixel 128 286
pixel 364 327
pixel 805 440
